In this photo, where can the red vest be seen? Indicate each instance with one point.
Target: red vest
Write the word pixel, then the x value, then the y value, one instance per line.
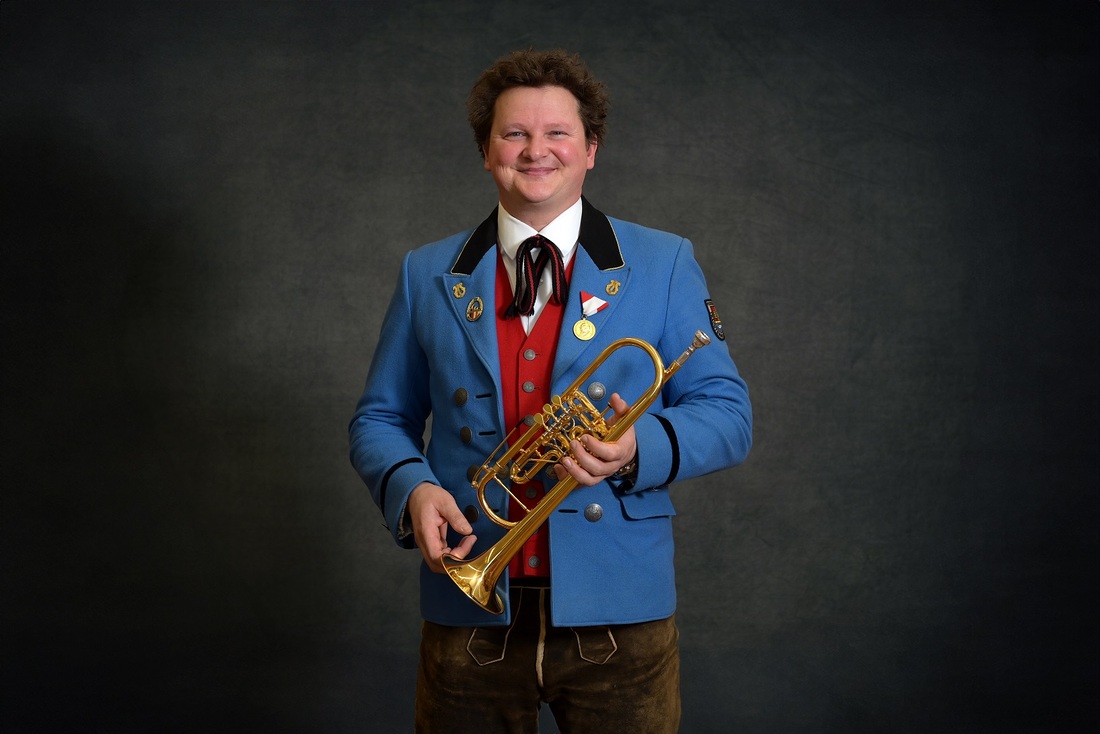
pixel 526 367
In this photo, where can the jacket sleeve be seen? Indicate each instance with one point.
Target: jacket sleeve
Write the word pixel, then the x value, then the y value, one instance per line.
pixel 704 419
pixel 386 434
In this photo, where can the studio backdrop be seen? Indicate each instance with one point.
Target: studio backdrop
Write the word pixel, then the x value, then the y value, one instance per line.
pixel 204 207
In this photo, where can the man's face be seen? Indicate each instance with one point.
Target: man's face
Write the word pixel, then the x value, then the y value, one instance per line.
pixel 537 152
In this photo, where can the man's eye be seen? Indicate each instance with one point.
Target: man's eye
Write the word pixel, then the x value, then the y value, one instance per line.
pixel 513 134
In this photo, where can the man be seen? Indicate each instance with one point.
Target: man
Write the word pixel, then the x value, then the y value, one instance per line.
pixel 484 327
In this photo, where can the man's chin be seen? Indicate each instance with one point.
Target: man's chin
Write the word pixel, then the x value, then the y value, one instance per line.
pixel 530 197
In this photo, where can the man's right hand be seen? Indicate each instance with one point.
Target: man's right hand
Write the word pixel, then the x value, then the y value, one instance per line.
pixel 432 511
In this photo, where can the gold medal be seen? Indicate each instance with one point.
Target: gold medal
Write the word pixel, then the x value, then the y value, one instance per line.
pixel 584 330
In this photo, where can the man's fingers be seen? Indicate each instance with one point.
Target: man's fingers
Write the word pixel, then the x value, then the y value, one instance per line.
pixel 590 447
pixel 457 521
pixel 619 406
pixel 583 476
pixel 463 548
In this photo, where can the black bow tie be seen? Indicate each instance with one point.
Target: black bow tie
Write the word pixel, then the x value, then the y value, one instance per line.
pixel 529 273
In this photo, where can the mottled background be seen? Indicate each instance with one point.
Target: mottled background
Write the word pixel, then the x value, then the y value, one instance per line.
pixel 203 209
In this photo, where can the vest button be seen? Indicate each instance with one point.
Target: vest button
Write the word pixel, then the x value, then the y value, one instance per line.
pixel 529 420
pixel 533 561
pixel 466 434
pixel 531 493
pixel 596 391
pixel 529 354
pixel 461 396
pixel 593 513
pixel 528 386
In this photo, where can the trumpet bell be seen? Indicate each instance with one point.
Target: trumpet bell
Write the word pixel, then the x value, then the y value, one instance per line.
pixel 477 579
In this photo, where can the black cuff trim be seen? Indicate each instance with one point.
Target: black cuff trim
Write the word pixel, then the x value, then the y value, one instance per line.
pixel 386 480
pixel 675 448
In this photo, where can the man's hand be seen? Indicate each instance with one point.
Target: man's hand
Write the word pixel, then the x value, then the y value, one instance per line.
pixel 432 510
pixel 596 460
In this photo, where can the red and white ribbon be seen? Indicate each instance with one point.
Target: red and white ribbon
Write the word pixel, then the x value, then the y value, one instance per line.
pixel 590 304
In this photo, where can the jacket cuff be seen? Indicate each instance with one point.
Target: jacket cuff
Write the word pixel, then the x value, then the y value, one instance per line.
pixel 658 454
pixel 400 480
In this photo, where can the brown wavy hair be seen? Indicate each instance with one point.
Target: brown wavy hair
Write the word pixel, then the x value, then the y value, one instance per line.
pixel 554 68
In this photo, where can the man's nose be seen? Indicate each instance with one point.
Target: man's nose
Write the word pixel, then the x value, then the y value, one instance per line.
pixel 536 147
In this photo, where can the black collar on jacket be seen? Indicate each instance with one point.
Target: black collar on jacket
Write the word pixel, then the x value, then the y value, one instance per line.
pixel 596 237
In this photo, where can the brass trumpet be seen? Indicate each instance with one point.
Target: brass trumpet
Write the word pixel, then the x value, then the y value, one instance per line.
pixel 568 416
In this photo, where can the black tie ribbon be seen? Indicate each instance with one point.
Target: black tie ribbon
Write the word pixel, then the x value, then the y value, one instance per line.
pixel 529 273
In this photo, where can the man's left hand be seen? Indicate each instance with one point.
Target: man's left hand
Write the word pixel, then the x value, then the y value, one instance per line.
pixel 596 460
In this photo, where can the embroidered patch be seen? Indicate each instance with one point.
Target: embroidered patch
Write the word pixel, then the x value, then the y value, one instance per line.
pixel 715 321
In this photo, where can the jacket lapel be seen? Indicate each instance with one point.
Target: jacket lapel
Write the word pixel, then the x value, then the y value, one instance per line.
pixel 597 262
pixel 471 290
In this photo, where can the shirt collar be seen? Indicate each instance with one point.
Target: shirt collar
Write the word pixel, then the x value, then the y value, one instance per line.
pixel 564 232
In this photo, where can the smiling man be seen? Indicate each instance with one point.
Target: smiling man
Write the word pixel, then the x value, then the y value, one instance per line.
pixel 483 329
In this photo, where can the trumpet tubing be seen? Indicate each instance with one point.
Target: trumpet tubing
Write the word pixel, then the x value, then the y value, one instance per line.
pixel 566 417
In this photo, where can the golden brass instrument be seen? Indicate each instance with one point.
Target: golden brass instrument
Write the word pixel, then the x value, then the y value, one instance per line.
pixel 568 416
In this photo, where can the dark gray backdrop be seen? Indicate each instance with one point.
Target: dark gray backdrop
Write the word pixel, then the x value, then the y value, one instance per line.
pixel 204 206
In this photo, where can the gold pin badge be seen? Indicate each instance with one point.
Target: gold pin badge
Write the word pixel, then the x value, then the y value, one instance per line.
pixel 475 309
pixel 613 287
pixel 459 290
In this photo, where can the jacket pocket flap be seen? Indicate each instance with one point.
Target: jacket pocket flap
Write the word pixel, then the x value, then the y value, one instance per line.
pixel 647 503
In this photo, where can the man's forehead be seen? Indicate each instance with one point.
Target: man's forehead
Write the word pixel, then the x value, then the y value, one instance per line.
pixel 573 115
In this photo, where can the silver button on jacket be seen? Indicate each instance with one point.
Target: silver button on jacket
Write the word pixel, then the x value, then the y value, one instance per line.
pixel 593 512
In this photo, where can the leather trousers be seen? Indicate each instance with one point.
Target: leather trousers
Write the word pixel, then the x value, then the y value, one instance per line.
pixel 594 679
